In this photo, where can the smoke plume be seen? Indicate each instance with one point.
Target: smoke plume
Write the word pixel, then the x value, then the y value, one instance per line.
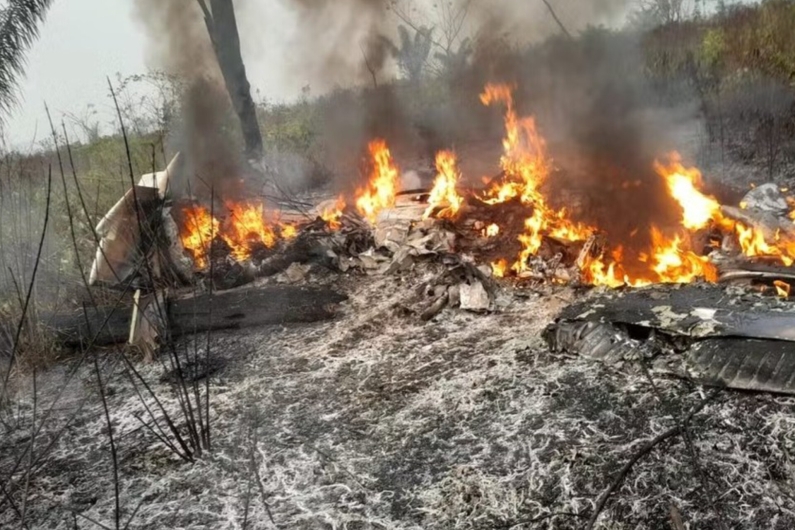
pixel 337 42
pixel 179 44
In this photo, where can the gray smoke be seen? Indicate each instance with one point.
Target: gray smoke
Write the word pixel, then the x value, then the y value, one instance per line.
pixel 336 40
pixel 179 44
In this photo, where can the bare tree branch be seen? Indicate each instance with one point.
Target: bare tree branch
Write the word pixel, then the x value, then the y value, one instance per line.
pixel 369 66
pixel 555 16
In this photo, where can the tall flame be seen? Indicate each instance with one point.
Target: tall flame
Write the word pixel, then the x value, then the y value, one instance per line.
pixel 382 187
pixel 683 183
pixel 525 167
pixel 197 232
pixel 444 192
pixel 524 160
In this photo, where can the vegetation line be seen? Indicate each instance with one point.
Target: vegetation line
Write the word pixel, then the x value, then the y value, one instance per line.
pixel 21 324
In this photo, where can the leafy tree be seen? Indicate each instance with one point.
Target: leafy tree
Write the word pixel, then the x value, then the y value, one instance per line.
pixel 412 54
pixel 455 61
pixel 19 27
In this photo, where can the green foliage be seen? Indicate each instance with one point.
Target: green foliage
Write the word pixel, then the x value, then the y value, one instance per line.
pixel 19 27
pixel 454 62
pixel 289 128
pixel 412 54
pixel 713 47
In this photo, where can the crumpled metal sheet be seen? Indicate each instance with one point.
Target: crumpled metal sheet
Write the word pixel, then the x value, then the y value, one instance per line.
pixel 691 311
pixel 746 344
pixel 760 365
pixel 594 340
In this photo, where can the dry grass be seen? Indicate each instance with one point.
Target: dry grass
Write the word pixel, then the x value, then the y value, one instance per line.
pixel 377 421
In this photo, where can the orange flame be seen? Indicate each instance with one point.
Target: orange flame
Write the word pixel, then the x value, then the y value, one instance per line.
pixel 683 183
pixel 782 288
pixel 288 232
pixel 444 187
pixel 669 261
pixel 382 187
pixel 753 244
pixel 332 214
pixel 525 167
pixel 524 161
pixel 499 268
pixel 699 209
pixel 245 228
pixel 674 264
pixel 197 232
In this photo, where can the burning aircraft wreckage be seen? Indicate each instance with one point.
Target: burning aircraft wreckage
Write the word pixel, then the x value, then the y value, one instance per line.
pixel 705 296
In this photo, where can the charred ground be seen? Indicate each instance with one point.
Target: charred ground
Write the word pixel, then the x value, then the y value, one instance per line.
pixel 376 420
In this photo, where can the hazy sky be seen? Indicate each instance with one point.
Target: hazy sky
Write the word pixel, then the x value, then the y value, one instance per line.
pixel 84 41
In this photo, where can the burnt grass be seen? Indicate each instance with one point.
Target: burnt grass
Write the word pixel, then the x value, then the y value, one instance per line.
pixel 377 420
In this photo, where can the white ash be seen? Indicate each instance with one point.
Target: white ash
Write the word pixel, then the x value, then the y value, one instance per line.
pixel 378 420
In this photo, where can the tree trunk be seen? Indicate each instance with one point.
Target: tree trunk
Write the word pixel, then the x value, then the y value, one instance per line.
pixel 185 315
pixel 222 26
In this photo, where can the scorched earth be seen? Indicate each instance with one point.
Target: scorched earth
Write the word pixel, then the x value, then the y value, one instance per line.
pixel 379 420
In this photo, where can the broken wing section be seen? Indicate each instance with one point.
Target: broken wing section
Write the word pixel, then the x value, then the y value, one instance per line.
pixel 719 340
pixel 125 232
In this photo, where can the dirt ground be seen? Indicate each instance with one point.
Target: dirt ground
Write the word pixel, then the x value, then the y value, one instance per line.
pixel 377 420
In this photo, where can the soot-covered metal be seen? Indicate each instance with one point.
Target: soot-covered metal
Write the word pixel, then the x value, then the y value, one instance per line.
pixel 715 335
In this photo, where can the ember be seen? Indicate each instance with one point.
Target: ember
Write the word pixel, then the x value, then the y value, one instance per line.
pixel 499 268
pixel 782 288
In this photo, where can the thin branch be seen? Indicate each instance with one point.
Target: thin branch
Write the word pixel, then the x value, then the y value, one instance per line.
pixel 208 17
pixel 21 324
pixel 555 16
pixel 114 456
pixel 646 449
pixel 78 261
pixel 369 66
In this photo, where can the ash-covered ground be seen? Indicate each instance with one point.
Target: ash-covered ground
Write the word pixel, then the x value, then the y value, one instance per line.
pixel 377 420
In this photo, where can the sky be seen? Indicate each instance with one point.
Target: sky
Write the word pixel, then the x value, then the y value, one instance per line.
pixel 83 42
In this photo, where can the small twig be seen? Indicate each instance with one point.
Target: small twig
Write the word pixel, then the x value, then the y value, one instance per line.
pixel 369 66
pixel 114 456
pixel 90 520
pixel 264 496
pixel 705 483
pixel 30 457
pixel 555 16
pixel 209 331
pixel 646 449
pixel 513 524
pixel 21 324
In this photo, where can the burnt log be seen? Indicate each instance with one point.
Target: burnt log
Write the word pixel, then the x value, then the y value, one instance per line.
pixel 233 309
